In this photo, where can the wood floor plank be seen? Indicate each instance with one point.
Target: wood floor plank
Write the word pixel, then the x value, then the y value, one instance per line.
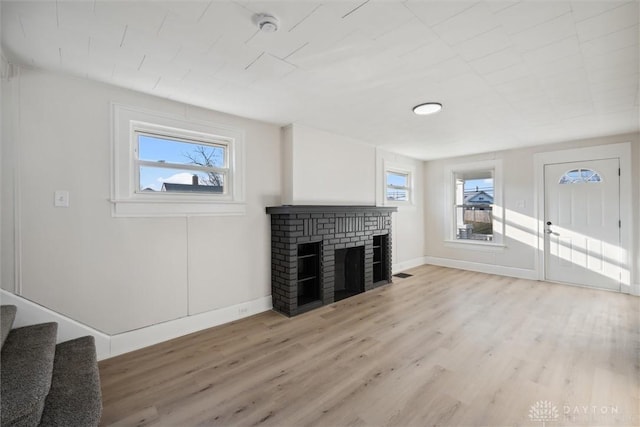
pixel 443 347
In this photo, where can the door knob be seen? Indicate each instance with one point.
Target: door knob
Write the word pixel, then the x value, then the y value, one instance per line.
pixel 548 229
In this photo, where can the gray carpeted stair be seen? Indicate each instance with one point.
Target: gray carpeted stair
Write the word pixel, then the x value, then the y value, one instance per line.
pixel 27 366
pixel 44 384
pixel 74 399
pixel 7 316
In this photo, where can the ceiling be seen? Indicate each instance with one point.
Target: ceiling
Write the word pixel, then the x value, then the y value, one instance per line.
pixel 509 73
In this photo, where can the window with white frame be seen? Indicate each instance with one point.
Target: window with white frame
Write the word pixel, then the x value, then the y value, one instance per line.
pixel 165 162
pixel 578 176
pixel 474 194
pixel 474 205
pixel 168 166
pixel 398 186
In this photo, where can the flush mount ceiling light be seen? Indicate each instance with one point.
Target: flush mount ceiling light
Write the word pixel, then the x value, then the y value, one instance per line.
pixel 267 23
pixel 427 108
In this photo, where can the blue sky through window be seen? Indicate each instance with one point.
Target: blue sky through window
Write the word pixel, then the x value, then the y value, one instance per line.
pixel 164 150
pixel 397 179
pixel 484 184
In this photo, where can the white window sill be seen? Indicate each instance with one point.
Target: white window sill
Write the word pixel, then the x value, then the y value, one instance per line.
pixel 475 245
pixel 399 204
pixel 167 208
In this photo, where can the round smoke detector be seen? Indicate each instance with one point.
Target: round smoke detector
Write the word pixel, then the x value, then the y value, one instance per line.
pixel 267 23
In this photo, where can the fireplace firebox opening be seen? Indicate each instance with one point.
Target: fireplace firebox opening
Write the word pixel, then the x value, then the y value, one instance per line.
pixel 349 272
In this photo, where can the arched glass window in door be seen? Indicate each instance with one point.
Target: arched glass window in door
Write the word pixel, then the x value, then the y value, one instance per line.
pixel 576 176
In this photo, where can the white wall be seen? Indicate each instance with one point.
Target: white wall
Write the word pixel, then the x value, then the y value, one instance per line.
pixel 287 165
pixel 519 255
pixel 328 169
pixel 635 185
pixel 9 116
pixel 121 274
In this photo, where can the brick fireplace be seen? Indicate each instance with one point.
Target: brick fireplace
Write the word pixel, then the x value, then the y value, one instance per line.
pixel 321 254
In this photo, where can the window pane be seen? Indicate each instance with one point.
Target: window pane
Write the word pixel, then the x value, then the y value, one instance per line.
pixel 397 179
pixel 154 179
pixel 401 195
pixel 165 150
pixel 577 176
pixel 474 205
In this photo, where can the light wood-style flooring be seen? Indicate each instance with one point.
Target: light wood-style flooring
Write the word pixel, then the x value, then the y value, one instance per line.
pixel 444 347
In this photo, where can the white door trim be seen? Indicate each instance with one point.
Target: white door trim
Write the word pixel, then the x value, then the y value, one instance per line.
pixel 621 151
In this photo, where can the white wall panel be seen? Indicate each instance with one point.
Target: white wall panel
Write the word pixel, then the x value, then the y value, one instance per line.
pixel 331 169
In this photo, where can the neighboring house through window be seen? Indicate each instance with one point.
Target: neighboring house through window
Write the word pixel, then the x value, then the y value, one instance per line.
pixel 474 195
pixel 169 163
pixel 474 205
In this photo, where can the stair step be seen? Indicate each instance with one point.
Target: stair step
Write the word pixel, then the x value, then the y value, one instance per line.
pixel 7 316
pixel 75 398
pixel 26 369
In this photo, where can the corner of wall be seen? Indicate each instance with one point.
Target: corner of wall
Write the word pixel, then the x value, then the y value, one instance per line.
pixel 9 146
pixel 286 136
pixel 408 264
pixel 30 313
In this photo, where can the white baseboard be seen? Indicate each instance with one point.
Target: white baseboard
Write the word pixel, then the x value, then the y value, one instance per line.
pixel 520 273
pixel 635 289
pixel 405 265
pixel 107 346
pixel 30 313
pixel 143 337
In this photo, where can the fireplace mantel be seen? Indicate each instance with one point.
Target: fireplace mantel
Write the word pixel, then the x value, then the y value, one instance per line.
pixel 308 240
pixel 295 209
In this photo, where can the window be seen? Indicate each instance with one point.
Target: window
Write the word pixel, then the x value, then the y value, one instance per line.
pixel 396 183
pixel 398 186
pixel 171 164
pixel 168 166
pixel 576 176
pixel 474 204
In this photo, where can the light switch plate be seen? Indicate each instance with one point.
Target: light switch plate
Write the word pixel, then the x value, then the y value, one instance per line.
pixel 61 199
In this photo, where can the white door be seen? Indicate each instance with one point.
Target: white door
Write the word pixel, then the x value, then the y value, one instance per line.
pixel 582 229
